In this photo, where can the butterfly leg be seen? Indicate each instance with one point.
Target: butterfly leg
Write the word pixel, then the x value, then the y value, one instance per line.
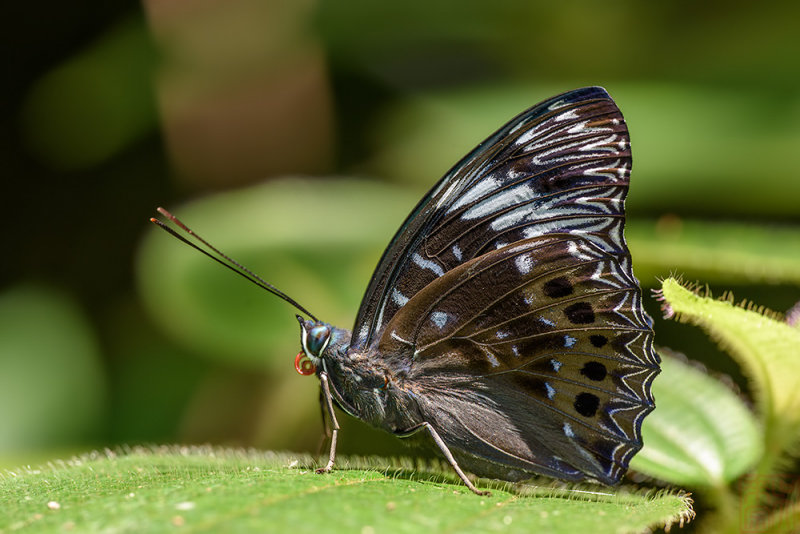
pixel 447 454
pixel 326 393
pixel 326 427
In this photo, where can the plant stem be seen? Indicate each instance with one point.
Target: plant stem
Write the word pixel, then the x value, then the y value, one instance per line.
pixel 754 489
pixel 727 513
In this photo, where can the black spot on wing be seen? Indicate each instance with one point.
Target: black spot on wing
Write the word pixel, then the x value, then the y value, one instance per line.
pixel 580 313
pixel 557 288
pixel 594 371
pixel 586 404
pixel 598 340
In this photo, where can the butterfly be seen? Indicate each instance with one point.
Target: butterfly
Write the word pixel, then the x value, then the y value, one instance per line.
pixel 503 320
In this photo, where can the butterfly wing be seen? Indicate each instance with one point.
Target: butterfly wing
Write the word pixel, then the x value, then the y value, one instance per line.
pixel 535 357
pixel 508 303
pixel 562 165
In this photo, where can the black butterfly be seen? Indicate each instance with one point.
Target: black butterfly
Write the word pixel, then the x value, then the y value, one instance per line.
pixel 504 318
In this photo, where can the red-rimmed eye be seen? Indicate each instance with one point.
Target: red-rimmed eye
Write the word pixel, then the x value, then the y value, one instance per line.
pixel 304 365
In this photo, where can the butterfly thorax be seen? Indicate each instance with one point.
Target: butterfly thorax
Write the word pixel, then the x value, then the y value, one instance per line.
pixel 368 387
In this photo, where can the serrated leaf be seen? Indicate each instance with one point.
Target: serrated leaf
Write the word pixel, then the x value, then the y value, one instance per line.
pixel 767 349
pixel 701 433
pixel 215 490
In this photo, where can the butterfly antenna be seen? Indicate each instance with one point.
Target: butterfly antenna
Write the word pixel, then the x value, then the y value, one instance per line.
pixel 223 259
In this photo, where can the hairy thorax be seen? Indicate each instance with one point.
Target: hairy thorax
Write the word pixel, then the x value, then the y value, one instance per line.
pixel 372 389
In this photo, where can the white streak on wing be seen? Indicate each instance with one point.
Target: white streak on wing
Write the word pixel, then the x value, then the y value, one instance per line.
pixel 398 298
pixel 507 220
pixel 364 331
pixel 542 136
pixel 475 192
pixel 556 105
pixel 613 171
pixel 570 204
pixel 492 359
pixel 446 196
pixel 439 318
pixel 514 175
pixel 568 152
pixel 568 115
pixel 548 322
pixel 536 231
pixel 569 341
pixel 496 202
pixel 539 229
pixel 427 264
pixel 622 170
pixel 457 252
pixel 598 271
pixel 601 145
pixel 550 391
pixel 380 315
pixel 524 263
pixel 578 252
pixel 518 248
pixel 524 138
pixel 622 307
pixel 578 127
pixel 568 431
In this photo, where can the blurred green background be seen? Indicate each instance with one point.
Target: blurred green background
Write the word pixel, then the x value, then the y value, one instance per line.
pixel 296 136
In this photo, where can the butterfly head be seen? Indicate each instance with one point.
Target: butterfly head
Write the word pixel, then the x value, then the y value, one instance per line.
pixel 315 338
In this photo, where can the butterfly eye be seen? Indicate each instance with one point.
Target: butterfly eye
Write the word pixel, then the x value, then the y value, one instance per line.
pixel 316 339
pixel 304 365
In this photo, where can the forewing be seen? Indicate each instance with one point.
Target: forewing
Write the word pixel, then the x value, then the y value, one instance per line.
pixel 549 336
pixel 560 167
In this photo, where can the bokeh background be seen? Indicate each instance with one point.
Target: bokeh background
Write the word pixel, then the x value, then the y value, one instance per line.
pixel 296 136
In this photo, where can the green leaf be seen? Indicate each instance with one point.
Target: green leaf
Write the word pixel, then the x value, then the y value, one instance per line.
pixel 767 349
pixel 700 434
pixel 215 490
pixel 318 241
